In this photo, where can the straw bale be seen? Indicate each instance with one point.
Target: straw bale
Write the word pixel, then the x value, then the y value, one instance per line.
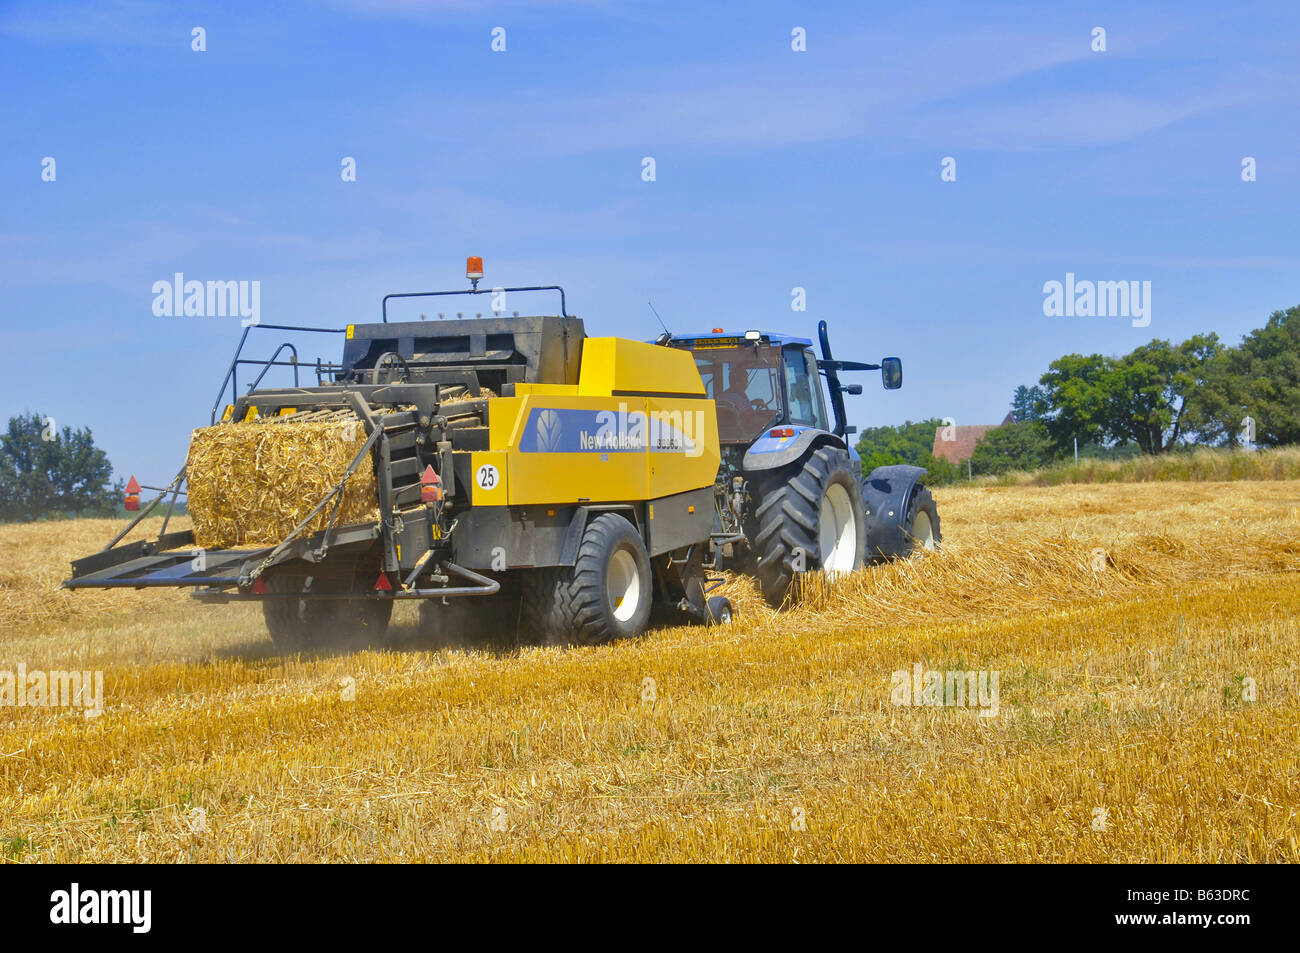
pixel 251 483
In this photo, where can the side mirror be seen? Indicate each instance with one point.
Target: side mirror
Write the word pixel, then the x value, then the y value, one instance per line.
pixel 891 372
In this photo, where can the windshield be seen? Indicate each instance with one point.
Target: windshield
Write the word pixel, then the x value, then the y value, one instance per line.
pixel 746 383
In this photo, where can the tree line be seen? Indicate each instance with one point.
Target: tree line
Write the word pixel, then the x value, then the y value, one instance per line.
pixel 48 473
pixel 1160 397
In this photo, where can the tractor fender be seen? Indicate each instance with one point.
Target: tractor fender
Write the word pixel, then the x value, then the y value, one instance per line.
pixel 771 453
pixel 886 494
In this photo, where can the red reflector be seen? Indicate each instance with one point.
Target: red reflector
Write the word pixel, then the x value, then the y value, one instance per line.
pixel 428 477
pixel 131 503
pixel 259 585
pixel 132 487
pixel 382 584
pixel 781 432
pixel 430 494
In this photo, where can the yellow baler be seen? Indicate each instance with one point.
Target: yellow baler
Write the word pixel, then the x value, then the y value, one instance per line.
pixel 529 484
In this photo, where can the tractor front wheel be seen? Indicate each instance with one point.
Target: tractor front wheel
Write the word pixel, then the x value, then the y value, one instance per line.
pixel 922 525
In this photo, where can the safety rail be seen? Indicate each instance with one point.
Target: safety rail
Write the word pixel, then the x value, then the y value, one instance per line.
pixel 472 291
pixel 231 380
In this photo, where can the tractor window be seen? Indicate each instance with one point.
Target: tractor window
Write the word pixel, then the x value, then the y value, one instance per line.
pixel 819 397
pixel 804 388
pixel 746 383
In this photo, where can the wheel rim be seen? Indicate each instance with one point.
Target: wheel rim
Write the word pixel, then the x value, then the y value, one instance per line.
pixel 837 529
pixel 623 585
pixel 923 531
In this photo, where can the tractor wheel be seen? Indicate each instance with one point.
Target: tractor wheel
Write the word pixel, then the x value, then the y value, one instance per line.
pixel 605 594
pixel 300 625
pixel 922 526
pixel 474 622
pixel 813 518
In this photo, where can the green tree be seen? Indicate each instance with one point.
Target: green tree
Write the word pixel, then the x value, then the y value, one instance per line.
pixel 1023 445
pixel 911 443
pixel 1029 403
pixel 1076 392
pixel 1148 389
pixel 1141 398
pixel 44 472
pixel 1260 378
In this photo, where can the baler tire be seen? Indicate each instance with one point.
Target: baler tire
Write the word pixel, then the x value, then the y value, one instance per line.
pixel 292 623
pixel 447 626
pixel 302 625
pixel 789 516
pixel 474 622
pixel 718 610
pixel 361 623
pixel 575 605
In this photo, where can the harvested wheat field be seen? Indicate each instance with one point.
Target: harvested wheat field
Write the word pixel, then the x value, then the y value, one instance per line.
pixel 1145 639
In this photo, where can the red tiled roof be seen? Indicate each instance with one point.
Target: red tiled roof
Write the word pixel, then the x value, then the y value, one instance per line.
pixel 963 443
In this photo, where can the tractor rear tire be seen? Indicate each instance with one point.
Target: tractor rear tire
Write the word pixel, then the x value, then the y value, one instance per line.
pixel 306 624
pixel 606 593
pixel 811 517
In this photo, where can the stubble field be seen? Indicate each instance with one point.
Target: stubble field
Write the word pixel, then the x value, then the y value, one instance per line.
pixel 1147 711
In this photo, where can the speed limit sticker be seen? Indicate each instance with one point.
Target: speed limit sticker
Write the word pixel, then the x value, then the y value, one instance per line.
pixel 487 477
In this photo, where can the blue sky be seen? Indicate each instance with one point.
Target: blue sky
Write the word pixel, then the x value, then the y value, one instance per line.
pixel 775 169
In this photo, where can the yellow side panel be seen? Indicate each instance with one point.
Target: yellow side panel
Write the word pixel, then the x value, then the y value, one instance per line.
pixel 503 420
pixel 612 365
pixel 684 454
pixel 488 474
pixel 577 449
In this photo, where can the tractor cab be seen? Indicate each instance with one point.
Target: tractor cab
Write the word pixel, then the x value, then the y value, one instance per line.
pixel 768 385
pixel 790 494
pixel 760 381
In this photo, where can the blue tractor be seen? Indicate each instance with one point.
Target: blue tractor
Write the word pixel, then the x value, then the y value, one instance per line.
pixel 791 496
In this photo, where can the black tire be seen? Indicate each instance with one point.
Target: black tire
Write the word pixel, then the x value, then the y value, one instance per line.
pixel 922 505
pixel 789 520
pixel 474 622
pixel 576 604
pixel 307 624
pixel 718 610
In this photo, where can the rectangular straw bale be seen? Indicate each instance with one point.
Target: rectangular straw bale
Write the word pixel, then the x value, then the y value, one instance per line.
pixel 251 483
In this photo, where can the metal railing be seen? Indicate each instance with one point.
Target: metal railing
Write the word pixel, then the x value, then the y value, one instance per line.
pixel 231 380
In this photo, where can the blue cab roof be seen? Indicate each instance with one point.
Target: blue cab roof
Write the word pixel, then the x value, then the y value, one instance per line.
pixel 772 337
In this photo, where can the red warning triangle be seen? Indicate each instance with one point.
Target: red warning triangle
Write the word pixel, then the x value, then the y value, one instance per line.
pixel 382 584
pixel 259 585
pixel 133 488
pixel 428 477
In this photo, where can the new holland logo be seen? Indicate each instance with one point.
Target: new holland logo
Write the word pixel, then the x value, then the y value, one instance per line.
pixel 548 432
